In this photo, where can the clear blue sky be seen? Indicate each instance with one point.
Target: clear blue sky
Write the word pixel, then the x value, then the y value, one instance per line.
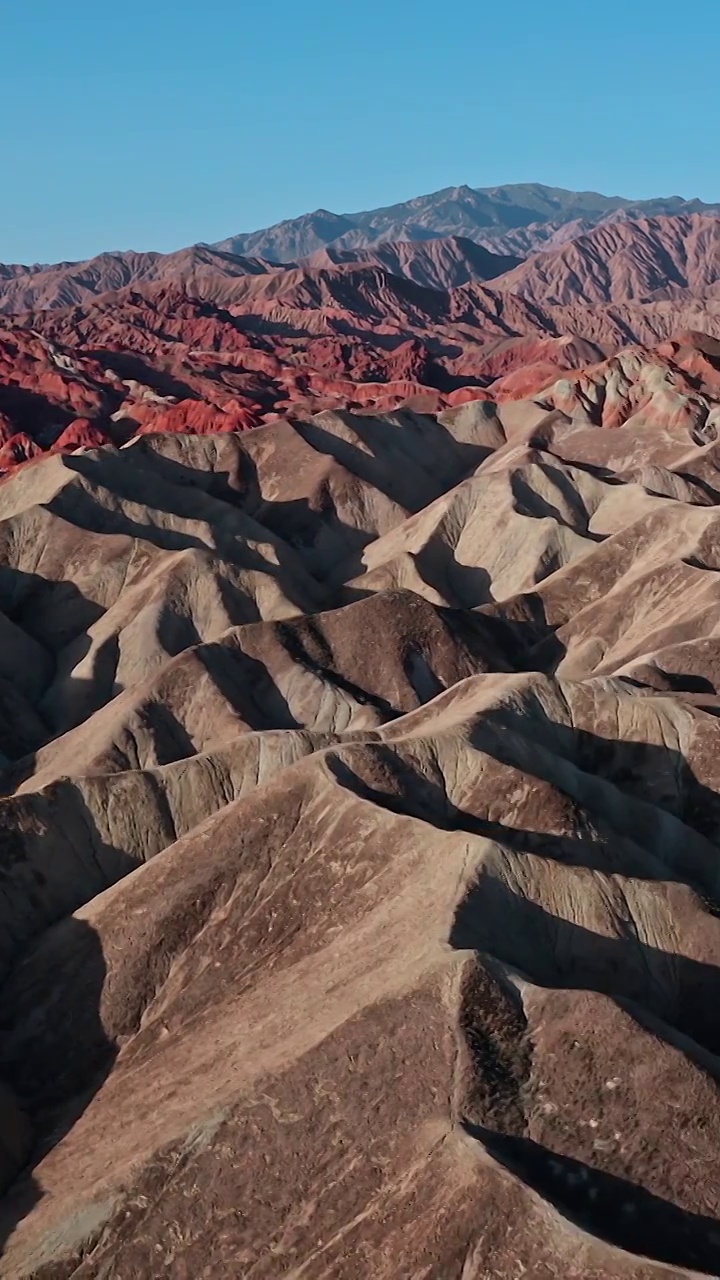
pixel 156 123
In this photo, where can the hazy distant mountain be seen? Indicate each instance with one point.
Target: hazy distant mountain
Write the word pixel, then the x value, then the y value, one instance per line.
pixel 513 220
pixel 458 236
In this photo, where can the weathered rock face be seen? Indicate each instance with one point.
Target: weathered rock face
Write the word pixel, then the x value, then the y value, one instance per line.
pixel 647 260
pixel 360 892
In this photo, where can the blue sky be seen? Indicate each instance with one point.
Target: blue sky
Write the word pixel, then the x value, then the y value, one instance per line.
pixel 156 123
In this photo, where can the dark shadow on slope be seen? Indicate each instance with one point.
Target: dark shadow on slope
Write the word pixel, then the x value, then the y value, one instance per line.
pixel 465 586
pixel 655 677
pixel 52 615
pixel 707 490
pixel 232 534
pixel 673 994
pixel 248 687
pixel 310 525
pixel 166 741
pixel 556 953
pixel 683 992
pixel 227 486
pixel 53 860
pixel 239 605
pixel 20 1198
pixel 23 728
pixel 704 433
pixel 697 562
pixel 416 795
pixel 323 540
pixel 649 773
pixel 72 699
pixel 589 468
pixel 313 529
pixel 529 503
pixel 257 323
pixel 390 458
pixel 54 1063
pixel 16 772
pixel 52 612
pixel 171 740
pixel 419 673
pixel 321 663
pixel 513 634
pixel 62 710
pixel 553 952
pixel 521 632
pixel 127 365
pixel 176 631
pixel 613 1209
pixel 34 413
pixel 80 508
pixel 55 1053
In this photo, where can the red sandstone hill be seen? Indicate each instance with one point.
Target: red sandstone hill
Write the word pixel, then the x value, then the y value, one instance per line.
pixel 626 261
pixel 439 264
pixel 622 261
pixel 205 341
pixel 77 283
pixel 514 221
pixel 218 276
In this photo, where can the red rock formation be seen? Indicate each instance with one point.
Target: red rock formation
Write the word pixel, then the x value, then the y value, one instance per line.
pixel 80 434
pixel 626 261
pixel 19 448
pixel 202 342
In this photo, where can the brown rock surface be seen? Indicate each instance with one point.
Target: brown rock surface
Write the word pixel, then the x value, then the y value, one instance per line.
pixel 359 843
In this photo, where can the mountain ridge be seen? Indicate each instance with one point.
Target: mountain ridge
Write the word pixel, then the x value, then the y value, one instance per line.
pixel 203 340
pixel 486 214
pixel 359 842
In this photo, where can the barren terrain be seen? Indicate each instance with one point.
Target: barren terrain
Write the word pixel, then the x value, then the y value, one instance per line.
pixel 359 870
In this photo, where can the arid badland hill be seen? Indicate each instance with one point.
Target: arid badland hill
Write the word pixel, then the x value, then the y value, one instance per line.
pixel 360 816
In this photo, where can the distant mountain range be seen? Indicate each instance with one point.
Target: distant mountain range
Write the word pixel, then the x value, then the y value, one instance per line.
pixel 206 340
pixel 612 254
pixel 210 339
pixel 512 220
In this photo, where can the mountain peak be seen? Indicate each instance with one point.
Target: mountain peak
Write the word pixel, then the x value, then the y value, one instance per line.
pixel 496 217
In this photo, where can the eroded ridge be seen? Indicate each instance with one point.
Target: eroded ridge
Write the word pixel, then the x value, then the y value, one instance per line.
pixel 360 892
